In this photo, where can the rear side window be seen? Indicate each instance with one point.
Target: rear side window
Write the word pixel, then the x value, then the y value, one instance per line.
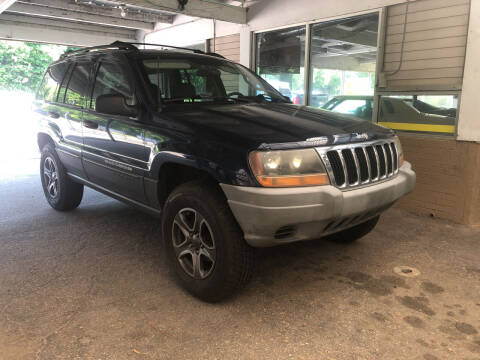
pixel 112 79
pixel 77 89
pixel 63 86
pixel 51 82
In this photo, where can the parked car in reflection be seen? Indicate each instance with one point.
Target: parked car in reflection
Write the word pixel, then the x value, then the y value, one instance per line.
pixel 409 114
pixel 316 99
pixel 359 106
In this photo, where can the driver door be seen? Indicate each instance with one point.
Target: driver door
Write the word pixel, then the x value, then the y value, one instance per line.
pixel 114 156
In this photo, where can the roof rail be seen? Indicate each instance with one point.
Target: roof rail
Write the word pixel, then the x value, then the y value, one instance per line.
pixel 130 46
pixel 196 51
pixel 116 44
pixel 215 54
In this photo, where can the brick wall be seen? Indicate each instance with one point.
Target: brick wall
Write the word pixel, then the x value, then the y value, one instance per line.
pixel 448 178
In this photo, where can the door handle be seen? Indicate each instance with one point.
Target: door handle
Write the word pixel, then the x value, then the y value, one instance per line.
pixel 90 124
pixel 53 114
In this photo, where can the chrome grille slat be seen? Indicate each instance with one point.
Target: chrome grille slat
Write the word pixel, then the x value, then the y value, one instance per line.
pixel 378 162
pixel 357 166
pixel 395 157
pixel 361 164
pixel 342 160
pixel 367 159
pixel 388 153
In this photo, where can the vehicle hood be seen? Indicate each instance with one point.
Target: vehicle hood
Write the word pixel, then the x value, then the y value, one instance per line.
pixel 274 126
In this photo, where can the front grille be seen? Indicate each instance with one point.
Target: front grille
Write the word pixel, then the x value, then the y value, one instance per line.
pixel 359 164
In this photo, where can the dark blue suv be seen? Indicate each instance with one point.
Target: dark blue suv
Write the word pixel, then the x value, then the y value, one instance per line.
pixel 226 161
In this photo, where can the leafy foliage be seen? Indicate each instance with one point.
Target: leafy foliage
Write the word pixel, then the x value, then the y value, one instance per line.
pixel 22 67
pixel 332 87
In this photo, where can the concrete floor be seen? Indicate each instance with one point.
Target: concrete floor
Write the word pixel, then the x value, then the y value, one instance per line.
pixel 92 284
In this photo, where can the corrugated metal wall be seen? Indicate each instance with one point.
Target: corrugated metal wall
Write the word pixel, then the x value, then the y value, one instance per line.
pixel 228 46
pixel 434 47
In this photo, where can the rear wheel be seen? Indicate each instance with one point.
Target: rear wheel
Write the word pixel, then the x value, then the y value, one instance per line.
pixel 354 233
pixel 61 192
pixel 204 245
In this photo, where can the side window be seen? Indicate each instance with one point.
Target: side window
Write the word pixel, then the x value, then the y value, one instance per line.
pixel 112 79
pixel 51 82
pixel 77 89
pixel 63 86
pixel 198 83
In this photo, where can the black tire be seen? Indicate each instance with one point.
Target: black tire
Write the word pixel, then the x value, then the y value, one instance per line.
pixel 353 234
pixel 232 258
pixel 68 194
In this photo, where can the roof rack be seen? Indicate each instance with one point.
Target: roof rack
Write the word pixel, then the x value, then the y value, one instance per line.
pixel 215 54
pixel 115 45
pixel 196 51
pixel 130 46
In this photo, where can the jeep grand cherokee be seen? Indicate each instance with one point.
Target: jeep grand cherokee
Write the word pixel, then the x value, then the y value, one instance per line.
pixel 226 161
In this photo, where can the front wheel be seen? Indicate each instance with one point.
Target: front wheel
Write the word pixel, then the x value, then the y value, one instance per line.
pixel 61 192
pixel 204 245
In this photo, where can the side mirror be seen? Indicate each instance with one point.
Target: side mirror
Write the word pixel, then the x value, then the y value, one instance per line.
pixel 114 104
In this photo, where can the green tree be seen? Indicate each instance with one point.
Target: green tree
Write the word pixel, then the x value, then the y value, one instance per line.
pixel 333 86
pixel 22 67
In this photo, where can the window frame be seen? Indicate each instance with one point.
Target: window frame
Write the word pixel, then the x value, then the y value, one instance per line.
pixel 95 69
pixel 66 77
pixel 458 93
pixel 308 40
pixel 59 85
pixel 378 90
pixel 72 67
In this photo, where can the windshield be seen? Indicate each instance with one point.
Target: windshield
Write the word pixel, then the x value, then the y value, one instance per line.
pixel 205 80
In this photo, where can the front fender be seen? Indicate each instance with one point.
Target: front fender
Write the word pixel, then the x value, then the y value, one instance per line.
pixel 195 162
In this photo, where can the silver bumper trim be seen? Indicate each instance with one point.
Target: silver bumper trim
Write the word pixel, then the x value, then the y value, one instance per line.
pixel 261 212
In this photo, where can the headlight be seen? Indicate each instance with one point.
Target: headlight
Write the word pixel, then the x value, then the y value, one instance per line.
pixel 288 168
pixel 398 144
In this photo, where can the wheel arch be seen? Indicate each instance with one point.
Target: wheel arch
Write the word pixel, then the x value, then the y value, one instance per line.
pixel 44 139
pixel 171 174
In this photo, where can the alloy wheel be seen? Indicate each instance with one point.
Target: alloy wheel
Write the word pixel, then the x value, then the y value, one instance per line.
pixel 194 243
pixel 50 175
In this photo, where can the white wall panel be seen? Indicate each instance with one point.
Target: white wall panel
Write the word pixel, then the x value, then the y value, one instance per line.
pixel 469 120
pixel 433 51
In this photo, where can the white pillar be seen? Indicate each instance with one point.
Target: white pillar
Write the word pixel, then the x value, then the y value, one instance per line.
pixel 245 46
pixel 469 117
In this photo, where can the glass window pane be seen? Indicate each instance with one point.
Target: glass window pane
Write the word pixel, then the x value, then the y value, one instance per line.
pixel 419 113
pixel 77 92
pixel 280 60
pixel 198 46
pixel 53 77
pixel 63 87
pixel 112 79
pixel 359 106
pixel 343 58
pixel 198 80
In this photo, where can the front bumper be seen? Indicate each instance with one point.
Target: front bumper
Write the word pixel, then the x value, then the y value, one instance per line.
pixel 272 216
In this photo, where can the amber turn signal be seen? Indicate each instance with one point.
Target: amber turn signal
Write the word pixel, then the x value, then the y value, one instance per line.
pixel 292 181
